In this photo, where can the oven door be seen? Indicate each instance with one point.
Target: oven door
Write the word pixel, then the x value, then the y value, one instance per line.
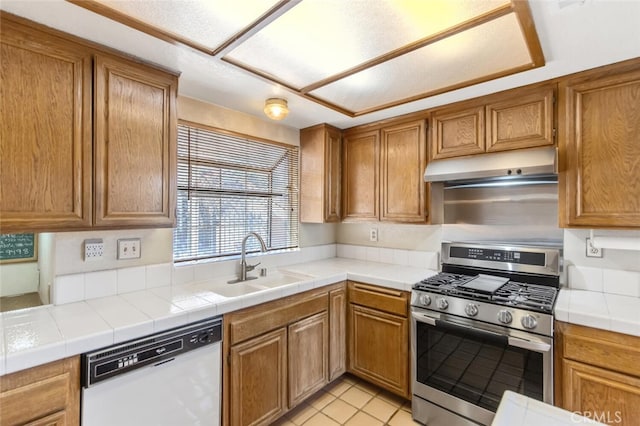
pixel 464 366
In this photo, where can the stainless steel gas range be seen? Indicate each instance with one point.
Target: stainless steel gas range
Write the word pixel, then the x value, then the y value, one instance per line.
pixel 482 326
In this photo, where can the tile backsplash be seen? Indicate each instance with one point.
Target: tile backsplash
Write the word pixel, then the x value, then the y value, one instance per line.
pixel 416 258
pixel 91 285
pixel 602 280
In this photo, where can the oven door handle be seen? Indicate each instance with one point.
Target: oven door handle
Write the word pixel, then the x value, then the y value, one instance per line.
pixel 451 326
pixel 423 318
pixel 528 344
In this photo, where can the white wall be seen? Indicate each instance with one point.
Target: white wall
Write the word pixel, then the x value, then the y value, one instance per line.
pixel 156 247
pixel 18 278
pixel 46 263
pixel 575 250
pixel 408 237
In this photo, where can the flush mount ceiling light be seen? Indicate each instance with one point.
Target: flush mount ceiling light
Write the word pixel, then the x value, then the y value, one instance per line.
pixel 276 108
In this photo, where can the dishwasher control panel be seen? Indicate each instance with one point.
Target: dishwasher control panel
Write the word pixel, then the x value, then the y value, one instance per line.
pixel 155 349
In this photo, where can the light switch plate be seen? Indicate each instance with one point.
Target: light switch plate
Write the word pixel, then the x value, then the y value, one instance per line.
pixel 129 248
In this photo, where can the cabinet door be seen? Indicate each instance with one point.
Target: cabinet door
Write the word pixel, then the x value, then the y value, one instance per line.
pixel 456 132
pixel 45 395
pixel 524 120
pixel 258 375
pixel 308 357
pixel 135 144
pixel 599 151
pixel 379 348
pixel 320 154
pixel 337 333
pixel 403 155
pixel 360 178
pixel 45 136
pixel 605 396
pixel 332 175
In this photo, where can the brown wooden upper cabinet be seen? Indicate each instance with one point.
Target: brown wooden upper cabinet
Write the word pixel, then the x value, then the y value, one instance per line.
pixel 599 182
pixel 382 173
pixel 45 136
pixel 320 157
pixel 135 144
pixel 63 168
pixel 519 118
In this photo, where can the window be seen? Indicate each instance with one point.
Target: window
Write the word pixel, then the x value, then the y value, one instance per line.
pixel 229 185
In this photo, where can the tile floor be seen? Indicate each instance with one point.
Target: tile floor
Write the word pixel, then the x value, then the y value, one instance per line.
pixel 350 401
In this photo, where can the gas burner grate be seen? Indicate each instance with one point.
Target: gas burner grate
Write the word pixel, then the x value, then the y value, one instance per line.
pixel 445 281
pixel 526 295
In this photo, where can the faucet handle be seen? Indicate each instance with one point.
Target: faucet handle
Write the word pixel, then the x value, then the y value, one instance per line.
pixel 251 267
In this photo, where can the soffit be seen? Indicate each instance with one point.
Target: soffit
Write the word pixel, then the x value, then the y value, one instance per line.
pixel 355 57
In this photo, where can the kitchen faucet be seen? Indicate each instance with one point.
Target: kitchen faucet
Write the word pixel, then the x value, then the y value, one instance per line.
pixel 244 268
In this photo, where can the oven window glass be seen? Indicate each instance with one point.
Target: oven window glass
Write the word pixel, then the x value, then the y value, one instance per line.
pixel 475 369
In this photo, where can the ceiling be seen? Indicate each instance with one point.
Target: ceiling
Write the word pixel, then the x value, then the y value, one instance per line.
pixel 352 62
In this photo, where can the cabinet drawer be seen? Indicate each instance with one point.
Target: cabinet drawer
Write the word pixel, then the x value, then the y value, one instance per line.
pixel 601 348
pixel 274 317
pixel 382 299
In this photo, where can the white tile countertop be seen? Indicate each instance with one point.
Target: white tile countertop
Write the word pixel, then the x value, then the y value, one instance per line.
pixel 601 298
pixel 517 409
pixel 35 336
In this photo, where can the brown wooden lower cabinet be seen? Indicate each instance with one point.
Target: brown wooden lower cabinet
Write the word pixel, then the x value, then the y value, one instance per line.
pixel 308 356
pixel 258 373
pixel 45 395
pixel 598 374
pixel 337 332
pixel 379 340
pixel 277 354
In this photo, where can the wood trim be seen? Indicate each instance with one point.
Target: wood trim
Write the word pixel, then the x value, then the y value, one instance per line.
pixel 523 13
pixel 423 42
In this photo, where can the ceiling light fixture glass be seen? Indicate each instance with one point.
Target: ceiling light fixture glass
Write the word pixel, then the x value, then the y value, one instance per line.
pixel 276 108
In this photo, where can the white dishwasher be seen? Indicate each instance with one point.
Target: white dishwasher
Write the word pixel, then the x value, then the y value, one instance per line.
pixel 170 378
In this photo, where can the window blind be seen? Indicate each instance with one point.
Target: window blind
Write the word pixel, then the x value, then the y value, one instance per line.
pixel 228 186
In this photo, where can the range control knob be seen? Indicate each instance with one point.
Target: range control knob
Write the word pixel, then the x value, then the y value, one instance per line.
pixel 505 317
pixel 471 309
pixel 425 300
pixel 442 304
pixel 204 338
pixel 529 322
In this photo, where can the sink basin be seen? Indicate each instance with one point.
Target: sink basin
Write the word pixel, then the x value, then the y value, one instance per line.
pixel 278 278
pixel 238 289
pixel 272 280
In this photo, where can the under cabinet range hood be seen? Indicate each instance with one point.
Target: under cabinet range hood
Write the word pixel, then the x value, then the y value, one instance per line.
pixel 496 167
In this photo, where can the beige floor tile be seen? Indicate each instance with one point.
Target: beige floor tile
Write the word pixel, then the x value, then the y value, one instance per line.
pixel 320 420
pixel 301 413
pixel 338 387
pixel 402 418
pixel 356 397
pixel 363 419
pixel 368 387
pixel 339 410
pixel 395 400
pixel 320 400
pixel 380 409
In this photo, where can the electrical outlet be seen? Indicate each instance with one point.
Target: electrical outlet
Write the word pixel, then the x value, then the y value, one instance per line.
pixel 129 248
pixel 93 249
pixel 373 234
pixel 593 251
